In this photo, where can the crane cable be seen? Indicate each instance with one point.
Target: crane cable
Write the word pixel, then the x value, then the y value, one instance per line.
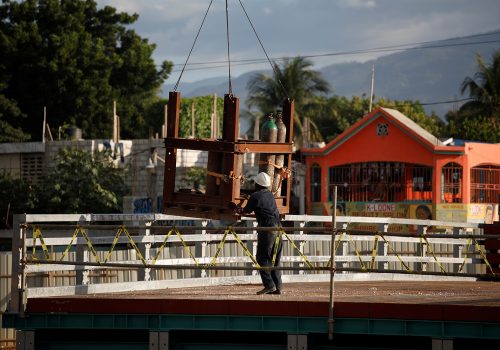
pixel 192 47
pixel 273 66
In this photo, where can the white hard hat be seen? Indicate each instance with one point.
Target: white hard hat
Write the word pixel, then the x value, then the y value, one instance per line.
pixel 263 179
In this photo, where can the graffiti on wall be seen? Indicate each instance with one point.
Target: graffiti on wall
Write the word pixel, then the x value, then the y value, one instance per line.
pixel 145 205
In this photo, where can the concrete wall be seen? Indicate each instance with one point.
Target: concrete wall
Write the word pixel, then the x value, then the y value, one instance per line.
pixel 144 176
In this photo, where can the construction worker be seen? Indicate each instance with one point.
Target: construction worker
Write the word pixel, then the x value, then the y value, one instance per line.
pixel 263 204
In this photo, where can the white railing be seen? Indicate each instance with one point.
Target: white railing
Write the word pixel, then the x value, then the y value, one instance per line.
pixel 96 253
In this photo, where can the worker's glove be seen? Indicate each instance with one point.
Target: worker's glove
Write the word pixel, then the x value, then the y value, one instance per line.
pixel 238 210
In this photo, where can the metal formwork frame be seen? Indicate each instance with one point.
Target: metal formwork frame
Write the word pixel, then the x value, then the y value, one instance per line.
pixel 224 157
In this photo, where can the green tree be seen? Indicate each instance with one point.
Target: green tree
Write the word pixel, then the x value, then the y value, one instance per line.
pixel 17 196
pixel 203 109
pixel 479 119
pixel 295 76
pixel 83 182
pixel 484 89
pixel 10 121
pixel 76 59
pixel 337 113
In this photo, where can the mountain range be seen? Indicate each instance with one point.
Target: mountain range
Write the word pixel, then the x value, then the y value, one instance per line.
pixel 430 73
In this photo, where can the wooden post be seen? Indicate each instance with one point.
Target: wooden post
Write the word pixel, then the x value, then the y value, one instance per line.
pixel 174 103
pixel 230 133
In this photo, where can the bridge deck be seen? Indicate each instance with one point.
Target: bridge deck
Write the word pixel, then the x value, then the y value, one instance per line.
pixel 409 300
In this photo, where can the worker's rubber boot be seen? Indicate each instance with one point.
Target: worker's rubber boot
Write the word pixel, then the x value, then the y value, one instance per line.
pixel 266 290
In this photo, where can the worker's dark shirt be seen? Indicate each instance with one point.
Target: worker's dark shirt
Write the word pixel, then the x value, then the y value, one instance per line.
pixel 262 202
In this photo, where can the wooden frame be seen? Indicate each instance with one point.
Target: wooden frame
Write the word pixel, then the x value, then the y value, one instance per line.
pixel 224 157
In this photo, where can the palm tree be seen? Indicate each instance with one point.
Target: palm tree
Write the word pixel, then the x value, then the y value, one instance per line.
pixel 484 90
pixel 294 79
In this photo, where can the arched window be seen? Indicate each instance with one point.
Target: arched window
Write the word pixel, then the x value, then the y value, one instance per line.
pixel 451 183
pixel 315 183
pixel 485 184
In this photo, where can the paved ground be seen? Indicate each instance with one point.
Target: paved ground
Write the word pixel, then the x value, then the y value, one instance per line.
pixel 413 292
pixel 436 301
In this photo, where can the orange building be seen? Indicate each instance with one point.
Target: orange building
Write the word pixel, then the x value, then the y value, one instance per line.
pixel 387 165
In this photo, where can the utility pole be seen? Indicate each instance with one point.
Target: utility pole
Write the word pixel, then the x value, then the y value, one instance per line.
pixel 216 122
pixel 371 90
pixel 192 120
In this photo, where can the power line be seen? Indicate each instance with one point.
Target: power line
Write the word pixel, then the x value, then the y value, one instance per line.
pixel 446 102
pixel 417 103
pixel 393 48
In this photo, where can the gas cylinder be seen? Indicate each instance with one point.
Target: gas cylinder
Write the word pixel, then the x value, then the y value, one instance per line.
pixel 268 133
pixel 280 158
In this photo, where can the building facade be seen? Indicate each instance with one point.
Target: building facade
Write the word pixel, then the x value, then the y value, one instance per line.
pixel 387 165
pixel 143 160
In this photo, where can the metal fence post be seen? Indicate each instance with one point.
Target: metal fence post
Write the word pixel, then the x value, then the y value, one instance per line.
pixel 382 247
pixel 422 248
pixel 18 275
pixel 301 245
pixel 345 248
pixel 457 249
pixel 331 321
pixel 201 250
pixel 81 256
pixel 254 245
pixel 144 274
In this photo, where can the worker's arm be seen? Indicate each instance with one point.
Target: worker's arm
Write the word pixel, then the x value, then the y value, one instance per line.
pixel 250 207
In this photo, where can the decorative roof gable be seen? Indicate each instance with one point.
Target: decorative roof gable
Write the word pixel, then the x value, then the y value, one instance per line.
pixel 395 117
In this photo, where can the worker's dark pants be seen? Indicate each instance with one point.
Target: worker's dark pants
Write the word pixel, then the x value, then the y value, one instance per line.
pixel 266 241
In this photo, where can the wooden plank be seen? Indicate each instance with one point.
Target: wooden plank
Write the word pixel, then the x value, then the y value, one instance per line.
pixel 195 198
pixel 231 126
pixel 174 103
pixel 214 165
pixel 230 167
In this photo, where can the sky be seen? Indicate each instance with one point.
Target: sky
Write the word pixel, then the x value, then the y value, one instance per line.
pixel 289 28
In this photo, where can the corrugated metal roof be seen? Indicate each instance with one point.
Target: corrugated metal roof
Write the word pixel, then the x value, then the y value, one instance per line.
pixel 417 129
